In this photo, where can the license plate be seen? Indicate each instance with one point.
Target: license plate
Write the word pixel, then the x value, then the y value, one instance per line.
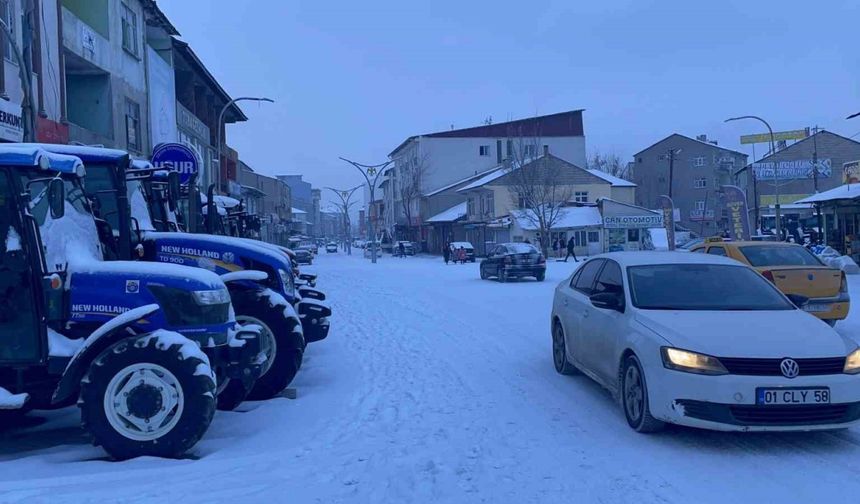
pixel 816 307
pixel 790 396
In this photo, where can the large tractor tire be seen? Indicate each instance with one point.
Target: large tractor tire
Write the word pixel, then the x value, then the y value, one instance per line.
pixel 231 393
pixel 281 341
pixel 150 395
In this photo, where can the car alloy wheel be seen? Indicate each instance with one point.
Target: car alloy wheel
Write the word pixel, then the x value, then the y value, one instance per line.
pixel 634 394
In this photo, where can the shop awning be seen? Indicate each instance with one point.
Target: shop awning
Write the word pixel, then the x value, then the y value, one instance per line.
pixel 843 192
pixel 452 214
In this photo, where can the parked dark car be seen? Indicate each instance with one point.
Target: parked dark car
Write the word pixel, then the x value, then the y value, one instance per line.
pixel 514 260
pixel 470 250
pixel 304 255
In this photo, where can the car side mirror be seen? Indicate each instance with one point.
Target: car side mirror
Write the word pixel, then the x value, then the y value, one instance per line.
pixel 606 301
pixel 172 190
pixel 797 299
pixel 57 198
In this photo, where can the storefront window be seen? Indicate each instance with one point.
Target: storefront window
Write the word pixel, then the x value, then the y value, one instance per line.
pixel 633 235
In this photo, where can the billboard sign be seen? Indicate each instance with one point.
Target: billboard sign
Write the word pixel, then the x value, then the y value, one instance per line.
pixel 176 157
pixel 777 136
pixel 851 172
pixel 633 221
pixel 793 169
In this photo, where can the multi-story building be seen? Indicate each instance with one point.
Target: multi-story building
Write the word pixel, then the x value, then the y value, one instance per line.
pixel 301 193
pixel 699 169
pixel 269 199
pixel 314 216
pixel 492 199
pixel 426 164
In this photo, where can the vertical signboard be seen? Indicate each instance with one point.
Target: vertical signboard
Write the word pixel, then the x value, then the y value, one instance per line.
pixel 736 204
pixel 162 99
pixel 851 172
pixel 668 208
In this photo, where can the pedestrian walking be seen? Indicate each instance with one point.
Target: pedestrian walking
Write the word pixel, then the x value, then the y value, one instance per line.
pixel 555 247
pixel 402 249
pixel 461 255
pixel 446 252
pixel 570 252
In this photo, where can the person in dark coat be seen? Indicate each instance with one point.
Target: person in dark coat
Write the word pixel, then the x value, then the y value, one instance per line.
pixel 446 252
pixel 570 252
pixel 402 249
pixel 555 246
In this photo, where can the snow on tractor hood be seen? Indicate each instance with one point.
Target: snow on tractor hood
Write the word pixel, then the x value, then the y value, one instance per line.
pixel 192 278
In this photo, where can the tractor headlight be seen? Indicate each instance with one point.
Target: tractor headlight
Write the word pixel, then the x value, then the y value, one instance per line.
pixel 211 297
pixel 852 363
pixel 691 362
pixel 287 280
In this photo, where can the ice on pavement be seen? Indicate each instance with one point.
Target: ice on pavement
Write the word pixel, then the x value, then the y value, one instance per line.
pixel 435 386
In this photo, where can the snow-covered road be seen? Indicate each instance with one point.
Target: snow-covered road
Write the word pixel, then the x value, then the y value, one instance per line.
pixel 435 386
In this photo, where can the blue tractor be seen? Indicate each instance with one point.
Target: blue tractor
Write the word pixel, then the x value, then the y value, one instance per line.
pixel 259 278
pixel 136 345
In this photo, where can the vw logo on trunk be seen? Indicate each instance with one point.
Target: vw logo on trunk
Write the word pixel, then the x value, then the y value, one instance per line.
pixel 789 368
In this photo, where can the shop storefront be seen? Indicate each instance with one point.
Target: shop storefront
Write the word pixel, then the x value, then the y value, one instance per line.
pixel 625 227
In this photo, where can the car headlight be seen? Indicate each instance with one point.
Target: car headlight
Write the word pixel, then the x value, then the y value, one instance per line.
pixel 211 297
pixel 287 280
pixel 691 362
pixel 852 363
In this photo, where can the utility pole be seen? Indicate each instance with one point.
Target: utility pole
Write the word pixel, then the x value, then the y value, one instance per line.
pixel 818 220
pixel 775 170
pixel 671 154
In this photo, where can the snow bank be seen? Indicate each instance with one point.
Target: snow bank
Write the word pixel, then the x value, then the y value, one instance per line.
pixel 61 346
pixel 10 401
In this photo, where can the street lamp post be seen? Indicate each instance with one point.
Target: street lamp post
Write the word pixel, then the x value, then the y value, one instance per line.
pixel 370 171
pixel 221 119
pixel 345 195
pixel 775 176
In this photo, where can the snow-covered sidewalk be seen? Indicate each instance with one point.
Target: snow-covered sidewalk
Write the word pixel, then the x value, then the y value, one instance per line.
pixel 435 386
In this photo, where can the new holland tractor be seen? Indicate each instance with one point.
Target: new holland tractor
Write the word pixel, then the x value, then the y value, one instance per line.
pixel 136 345
pixel 259 279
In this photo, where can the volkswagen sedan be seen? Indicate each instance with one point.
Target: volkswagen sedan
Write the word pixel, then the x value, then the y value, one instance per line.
pixel 703 341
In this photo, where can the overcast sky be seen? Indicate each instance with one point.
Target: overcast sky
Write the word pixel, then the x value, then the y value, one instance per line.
pixel 354 79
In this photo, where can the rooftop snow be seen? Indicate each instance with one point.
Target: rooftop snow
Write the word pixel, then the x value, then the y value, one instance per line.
pixel 452 214
pixel 461 181
pixel 568 217
pixel 486 179
pixel 297 211
pixel 612 179
pixel 837 193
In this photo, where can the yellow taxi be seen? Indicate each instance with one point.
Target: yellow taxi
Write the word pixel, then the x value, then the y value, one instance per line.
pixel 793 269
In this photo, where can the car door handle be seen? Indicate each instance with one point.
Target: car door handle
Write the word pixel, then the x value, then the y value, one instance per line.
pixel 565 302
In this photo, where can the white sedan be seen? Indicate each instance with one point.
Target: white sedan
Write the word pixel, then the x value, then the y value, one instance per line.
pixel 702 341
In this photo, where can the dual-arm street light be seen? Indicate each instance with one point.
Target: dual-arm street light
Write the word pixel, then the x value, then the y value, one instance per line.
pixel 345 195
pixel 221 119
pixel 775 166
pixel 369 171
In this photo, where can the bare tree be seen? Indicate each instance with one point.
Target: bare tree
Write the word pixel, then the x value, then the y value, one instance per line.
pixel 410 177
pixel 610 163
pixel 537 183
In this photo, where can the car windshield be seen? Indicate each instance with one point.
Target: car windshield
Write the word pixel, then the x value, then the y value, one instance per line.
pixel 521 248
pixel 710 287
pixel 779 255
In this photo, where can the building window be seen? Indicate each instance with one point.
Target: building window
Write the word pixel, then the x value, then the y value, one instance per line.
pixel 132 125
pixel 700 183
pixel 699 161
pixel 509 146
pixel 580 196
pixel 491 204
pixel 529 150
pixel 470 206
pixel 129 30
pixel 593 237
pixel 700 205
pixel 7 10
pixel 484 150
pixel 521 202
